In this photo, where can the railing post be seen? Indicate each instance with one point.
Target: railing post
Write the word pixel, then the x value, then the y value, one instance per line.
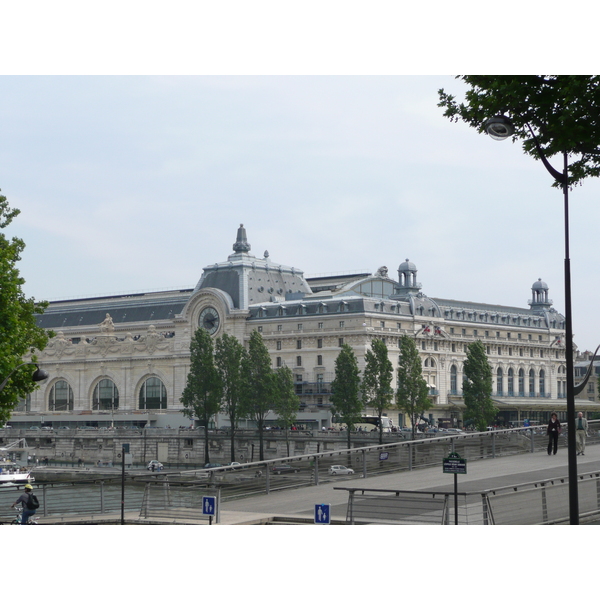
pixel 532 444
pixel 410 451
pixel 44 501
pixel 544 504
pixel 351 506
pixel 486 518
pixel 267 480
pixel 364 464
pixel 317 470
pixel 493 444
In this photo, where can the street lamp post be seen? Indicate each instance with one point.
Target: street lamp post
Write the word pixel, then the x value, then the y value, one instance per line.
pixel 501 128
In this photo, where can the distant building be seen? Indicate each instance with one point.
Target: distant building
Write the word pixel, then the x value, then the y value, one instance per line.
pixel 125 359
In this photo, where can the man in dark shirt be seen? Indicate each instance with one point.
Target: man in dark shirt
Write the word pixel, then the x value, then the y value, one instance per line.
pixel 23 499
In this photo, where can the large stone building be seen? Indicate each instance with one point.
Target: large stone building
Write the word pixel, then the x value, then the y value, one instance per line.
pixel 124 359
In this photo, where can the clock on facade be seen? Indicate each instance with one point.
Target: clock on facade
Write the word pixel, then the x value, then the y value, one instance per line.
pixel 209 320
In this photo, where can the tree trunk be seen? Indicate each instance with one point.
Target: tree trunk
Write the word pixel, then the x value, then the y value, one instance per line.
pixel 232 436
pixel 206 456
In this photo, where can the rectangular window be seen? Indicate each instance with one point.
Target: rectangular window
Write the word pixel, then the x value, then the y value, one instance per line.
pixel 340 342
pixel 541 353
pixel 510 351
pixel 464 332
pixel 423 346
pixel 320 343
pixel 342 323
pixel 500 350
pixel 319 325
pixel 382 324
pixel 453 347
pixel 299 326
pixel 452 330
pixel 279 361
pixel 298 361
pixel 279 327
pixel 487 334
pixel 298 344
pixel 260 329
pixel 279 345
pixel 508 335
pixel 497 334
pixel 474 332
pixel 319 360
pixel 399 325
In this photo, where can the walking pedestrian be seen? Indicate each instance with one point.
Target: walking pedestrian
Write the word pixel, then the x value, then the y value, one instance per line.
pixel 581 432
pixel 554 429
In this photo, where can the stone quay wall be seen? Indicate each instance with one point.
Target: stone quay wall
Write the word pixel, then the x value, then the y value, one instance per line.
pixel 175 447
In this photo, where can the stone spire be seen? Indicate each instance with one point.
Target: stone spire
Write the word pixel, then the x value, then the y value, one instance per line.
pixel 241 243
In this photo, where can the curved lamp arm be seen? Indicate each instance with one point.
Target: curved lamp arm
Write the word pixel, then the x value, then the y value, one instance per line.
pixel 577 389
pixel 38 374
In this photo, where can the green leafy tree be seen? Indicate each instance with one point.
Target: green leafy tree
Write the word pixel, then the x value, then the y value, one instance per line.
pixel 477 387
pixel 203 391
pixel 20 336
pixel 345 399
pixel 259 389
pixel 229 354
pixel 561 110
pixel 376 384
pixel 286 401
pixel 412 395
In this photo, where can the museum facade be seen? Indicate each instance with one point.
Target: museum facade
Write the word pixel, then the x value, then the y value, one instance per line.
pixel 123 360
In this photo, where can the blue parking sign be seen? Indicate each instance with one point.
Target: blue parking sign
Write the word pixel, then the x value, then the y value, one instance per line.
pixel 323 514
pixel 209 504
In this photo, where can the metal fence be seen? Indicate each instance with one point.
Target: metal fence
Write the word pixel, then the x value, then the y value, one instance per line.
pixel 536 503
pixel 100 492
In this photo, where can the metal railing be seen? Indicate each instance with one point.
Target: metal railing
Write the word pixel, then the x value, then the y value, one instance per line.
pixel 541 502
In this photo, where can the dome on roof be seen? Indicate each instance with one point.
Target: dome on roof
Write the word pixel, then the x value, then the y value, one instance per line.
pixel 539 285
pixel 407 267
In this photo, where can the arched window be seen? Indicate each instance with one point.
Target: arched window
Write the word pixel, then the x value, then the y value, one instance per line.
pixel 106 396
pixel 61 396
pixel 511 382
pixel 521 382
pixel 453 380
pixel 531 383
pixel 153 394
pixel 542 383
pixel 499 384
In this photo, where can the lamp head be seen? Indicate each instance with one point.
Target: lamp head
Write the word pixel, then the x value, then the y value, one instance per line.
pixel 39 375
pixel 499 128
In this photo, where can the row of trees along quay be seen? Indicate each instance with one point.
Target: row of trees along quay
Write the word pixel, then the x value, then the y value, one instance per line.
pixel 224 376
pixel 351 395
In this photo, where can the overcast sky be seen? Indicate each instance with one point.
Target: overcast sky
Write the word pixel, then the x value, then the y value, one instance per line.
pixel 137 183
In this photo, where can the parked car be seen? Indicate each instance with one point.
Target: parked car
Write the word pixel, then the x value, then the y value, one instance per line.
pixel 34 428
pixel 340 470
pixel 64 427
pixel 212 465
pixel 284 468
pixel 154 463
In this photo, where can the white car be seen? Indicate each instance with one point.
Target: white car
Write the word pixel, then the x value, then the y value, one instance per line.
pixel 154 463
pixel 340 470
